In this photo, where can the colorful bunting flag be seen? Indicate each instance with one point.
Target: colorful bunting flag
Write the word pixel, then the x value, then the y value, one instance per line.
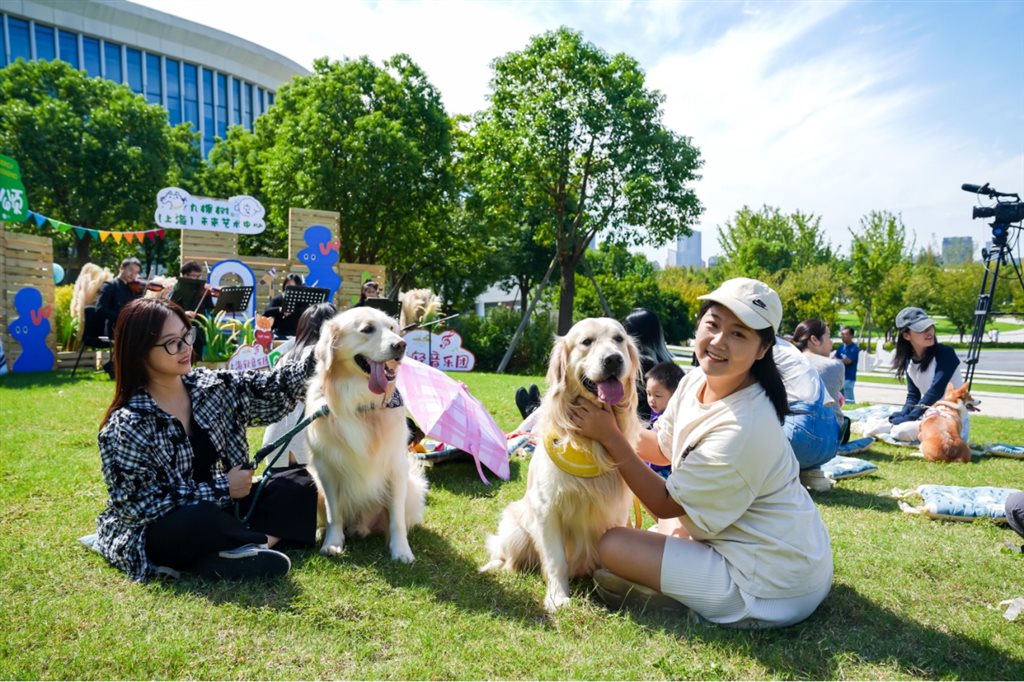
pixel 102 235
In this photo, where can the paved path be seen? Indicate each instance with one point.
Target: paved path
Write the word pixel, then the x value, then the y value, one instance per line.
pixel 992 404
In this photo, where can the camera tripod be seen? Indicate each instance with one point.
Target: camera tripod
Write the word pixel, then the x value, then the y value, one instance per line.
pixel 998 255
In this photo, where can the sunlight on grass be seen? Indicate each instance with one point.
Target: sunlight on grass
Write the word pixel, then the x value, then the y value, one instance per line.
pixel 912 597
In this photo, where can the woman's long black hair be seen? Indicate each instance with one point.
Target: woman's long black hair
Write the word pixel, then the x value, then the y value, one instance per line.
pixel 905 352
pixel 765 371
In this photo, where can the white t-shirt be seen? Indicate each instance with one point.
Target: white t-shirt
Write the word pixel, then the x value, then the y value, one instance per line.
pixel 801 379
pixel 736 477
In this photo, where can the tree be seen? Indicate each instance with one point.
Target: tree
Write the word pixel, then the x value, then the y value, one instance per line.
pixel 809 293
pixel 762 243
pixel 574 137
pixel 92 153
pixel 959 286
pixel 372 143
pixel 877 248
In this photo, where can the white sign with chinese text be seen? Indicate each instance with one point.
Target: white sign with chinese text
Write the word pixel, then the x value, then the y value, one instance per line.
pixel 444 350
pixel 249 357
pixel 177 209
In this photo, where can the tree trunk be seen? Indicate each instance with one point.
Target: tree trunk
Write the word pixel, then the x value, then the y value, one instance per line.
pixel 567 294
pixel 83 252
pixel 524 295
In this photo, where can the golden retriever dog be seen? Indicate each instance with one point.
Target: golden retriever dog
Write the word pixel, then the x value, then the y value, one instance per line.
pixel 418 305
pixel 574 493
pixel 942 425
pixel 360 459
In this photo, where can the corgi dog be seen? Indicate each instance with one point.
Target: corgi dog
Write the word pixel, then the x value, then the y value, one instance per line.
pixel 942 425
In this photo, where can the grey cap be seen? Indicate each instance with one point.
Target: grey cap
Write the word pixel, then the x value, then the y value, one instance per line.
pixel 914 318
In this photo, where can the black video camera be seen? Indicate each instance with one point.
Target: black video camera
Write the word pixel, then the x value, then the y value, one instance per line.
pixel 1004 212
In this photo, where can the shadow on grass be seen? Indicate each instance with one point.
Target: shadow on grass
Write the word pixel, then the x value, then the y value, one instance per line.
pixel 451 577
pixel 56 379
pixel 841 496
pixel 849 629
pixel 461 478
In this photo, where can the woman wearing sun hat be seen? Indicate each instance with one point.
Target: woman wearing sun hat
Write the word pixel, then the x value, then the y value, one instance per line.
pixel 928 366
pixel 749 549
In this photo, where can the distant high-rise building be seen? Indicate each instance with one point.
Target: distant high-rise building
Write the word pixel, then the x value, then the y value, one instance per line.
pixel 687 252
pixel 714 260
pixel 957 250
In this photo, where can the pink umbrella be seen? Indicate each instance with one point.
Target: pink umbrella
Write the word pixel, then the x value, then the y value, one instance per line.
pixel 446 411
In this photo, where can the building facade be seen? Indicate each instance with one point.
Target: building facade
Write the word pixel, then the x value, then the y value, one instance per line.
pixel 206 77
pixel 687 252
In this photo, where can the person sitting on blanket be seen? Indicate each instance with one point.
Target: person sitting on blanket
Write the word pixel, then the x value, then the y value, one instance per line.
pixel 172 448
pixel 928 367
pixel 813 338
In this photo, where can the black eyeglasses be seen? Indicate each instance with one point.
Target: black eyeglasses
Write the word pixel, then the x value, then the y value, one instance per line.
pixel 175 346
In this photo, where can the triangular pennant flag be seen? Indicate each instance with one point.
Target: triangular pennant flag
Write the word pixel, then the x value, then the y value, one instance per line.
pixel 55 224
pixel 128 236
pixel 103 235
pixel 40 219
pixel 139 236
pixel 117 237
pixel 63 227
pixel 81 232
pixel 160 234
pixel 152 235
pixel 95 234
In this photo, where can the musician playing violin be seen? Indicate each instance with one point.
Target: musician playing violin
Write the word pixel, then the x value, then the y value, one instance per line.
pixel 114 295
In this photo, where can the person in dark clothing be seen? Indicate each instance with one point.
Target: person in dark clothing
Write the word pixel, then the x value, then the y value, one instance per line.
pixel 193 270
pixel 284 323
pixel 645 328
pixel 115 295
pixel 1015 515
pixel 172 447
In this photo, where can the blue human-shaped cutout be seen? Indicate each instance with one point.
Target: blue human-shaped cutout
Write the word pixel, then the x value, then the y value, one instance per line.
pixel 320 256
pixel 30 329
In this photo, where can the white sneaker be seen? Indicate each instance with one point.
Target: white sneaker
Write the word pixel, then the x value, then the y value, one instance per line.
pixel 816 480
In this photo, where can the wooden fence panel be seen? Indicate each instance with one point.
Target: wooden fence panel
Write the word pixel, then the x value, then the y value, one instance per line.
pixel 26 260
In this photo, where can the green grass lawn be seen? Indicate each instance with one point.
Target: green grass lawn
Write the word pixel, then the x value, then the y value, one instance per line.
pixel 912 596
pixel 943 327
pixel 976 386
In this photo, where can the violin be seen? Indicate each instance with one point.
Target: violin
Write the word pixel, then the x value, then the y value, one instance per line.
pixel 140 286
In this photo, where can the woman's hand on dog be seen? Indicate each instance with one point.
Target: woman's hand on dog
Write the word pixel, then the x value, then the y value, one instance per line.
pixel 239 482
pixel 596 422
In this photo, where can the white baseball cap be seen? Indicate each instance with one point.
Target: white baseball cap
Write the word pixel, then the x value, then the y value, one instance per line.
pixel 754 302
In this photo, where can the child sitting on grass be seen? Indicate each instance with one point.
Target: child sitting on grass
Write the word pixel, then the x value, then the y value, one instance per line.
pixel 662 380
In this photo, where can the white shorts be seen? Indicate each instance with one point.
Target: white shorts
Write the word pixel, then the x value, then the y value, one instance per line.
pixel 694 574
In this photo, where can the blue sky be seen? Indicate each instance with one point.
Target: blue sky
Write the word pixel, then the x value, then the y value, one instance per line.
pixel 831 108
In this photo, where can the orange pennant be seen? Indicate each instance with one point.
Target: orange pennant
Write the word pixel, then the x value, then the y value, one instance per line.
pixel 139 236
pixel 103 235
pixel 127 236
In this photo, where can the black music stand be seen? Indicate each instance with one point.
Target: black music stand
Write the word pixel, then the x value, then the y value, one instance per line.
pixel 297 299
pixel 187 293
pixel 385 305
pixel 233 300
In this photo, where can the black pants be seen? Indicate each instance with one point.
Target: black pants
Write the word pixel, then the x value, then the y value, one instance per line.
pixel 286 508
pixel 1015 512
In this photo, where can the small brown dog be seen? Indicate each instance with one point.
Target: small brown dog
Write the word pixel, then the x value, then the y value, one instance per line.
pixel 942 425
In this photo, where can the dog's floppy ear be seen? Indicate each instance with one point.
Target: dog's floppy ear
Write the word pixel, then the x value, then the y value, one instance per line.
pixel 329 333
pixel 558 364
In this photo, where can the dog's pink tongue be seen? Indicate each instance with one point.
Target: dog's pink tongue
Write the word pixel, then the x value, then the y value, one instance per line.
pixel 378 380
pixel 610 391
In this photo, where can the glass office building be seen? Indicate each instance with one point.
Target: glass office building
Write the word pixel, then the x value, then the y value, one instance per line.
pixel 206 77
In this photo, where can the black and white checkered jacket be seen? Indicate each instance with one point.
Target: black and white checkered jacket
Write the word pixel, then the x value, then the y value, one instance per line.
pixel 147 458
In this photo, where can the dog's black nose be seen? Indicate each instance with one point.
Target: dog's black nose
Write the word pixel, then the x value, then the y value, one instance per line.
pixel 612 364
pixel 398 346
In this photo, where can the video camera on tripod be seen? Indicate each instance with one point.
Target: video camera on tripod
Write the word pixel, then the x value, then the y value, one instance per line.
pixel 1008 209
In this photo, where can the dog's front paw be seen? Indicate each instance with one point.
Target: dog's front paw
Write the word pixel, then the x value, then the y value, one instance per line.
pixel 400 551
pixel 332 550
pixel 554 600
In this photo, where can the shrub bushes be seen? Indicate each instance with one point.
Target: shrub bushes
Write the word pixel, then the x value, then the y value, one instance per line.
pixel 488 338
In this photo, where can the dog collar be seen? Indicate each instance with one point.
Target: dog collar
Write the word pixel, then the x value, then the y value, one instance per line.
pixel 395 401
pixel 572 459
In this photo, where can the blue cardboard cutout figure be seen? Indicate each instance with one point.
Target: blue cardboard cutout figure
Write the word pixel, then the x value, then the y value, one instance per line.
pixel 30 329
pixel 320 256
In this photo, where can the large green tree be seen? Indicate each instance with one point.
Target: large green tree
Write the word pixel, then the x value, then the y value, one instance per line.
pixel 370 142
pixel 92 153
pixel 765 242
pixel 573 135
pixel 879 245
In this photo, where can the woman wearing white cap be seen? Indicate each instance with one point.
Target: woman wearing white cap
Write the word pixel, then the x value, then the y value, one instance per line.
pixel 749 548
pixel 928 366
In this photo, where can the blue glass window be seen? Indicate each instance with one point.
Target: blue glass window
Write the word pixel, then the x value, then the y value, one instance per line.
pixel 112 60
pixel 20 45
pixel 69 48
pixel 3 43
pixel 192 95
pixel 259 102
pixel 133 58
pixel 173 91
pixel 91 56
pixel 248 107
pixel 154 93
pixel 222 106
pixel 208 129
pixel 46 43
pixel 270 99
pixel 236 101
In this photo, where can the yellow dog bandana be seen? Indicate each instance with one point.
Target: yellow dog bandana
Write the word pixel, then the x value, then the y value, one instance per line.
pixel 573 459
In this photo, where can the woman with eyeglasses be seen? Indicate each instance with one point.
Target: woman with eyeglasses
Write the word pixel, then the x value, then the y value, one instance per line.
pixel 172 447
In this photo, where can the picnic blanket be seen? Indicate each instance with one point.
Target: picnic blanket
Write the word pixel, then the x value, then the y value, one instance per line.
pixel 841 467
pixel 1004 450
pixel 954 502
